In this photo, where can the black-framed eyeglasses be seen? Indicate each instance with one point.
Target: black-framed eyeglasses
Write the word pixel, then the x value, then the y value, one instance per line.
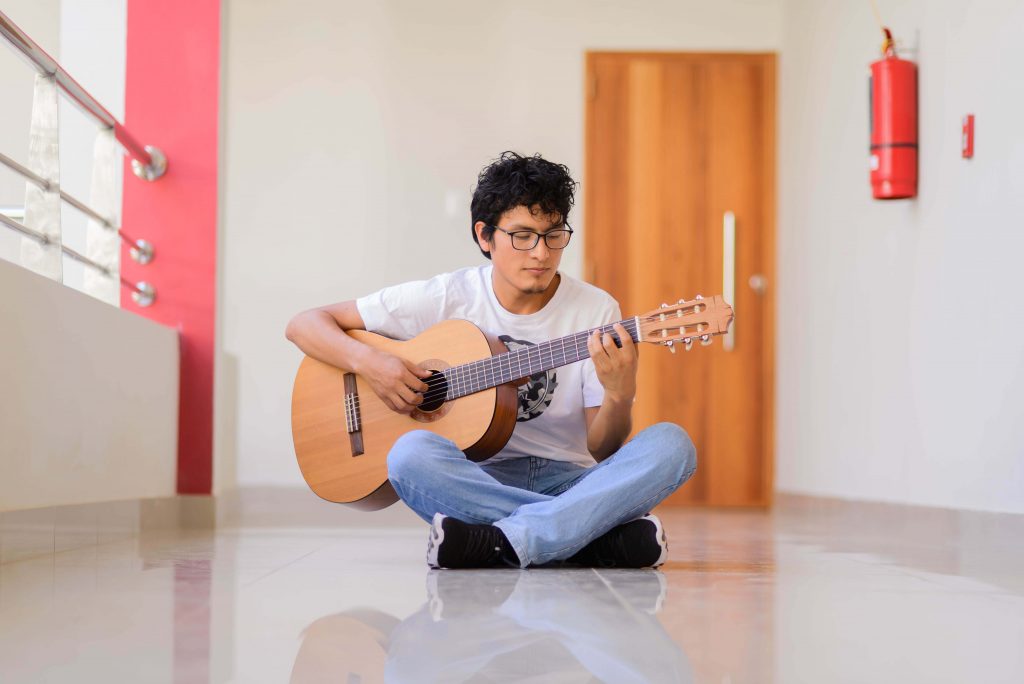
pixel 525 240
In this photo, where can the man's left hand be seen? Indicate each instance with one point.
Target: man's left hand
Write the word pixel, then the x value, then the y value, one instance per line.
pixel 616 366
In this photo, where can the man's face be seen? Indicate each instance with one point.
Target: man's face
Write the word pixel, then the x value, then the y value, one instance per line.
pixel 529 271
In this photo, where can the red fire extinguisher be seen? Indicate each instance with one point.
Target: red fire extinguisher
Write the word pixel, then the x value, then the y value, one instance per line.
pixel 893 89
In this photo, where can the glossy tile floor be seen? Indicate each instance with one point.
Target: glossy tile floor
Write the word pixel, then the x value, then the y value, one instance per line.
pixel 815 591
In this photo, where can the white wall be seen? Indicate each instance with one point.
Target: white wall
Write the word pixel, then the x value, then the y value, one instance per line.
pixel 88 398
pixel 353 136
pixel 900 329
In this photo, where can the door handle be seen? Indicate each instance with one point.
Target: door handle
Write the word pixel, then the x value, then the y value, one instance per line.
pixel 729 273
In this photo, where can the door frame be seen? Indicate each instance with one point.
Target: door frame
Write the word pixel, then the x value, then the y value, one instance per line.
pixel 769 133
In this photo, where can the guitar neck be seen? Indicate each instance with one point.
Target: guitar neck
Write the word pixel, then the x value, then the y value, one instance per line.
pixel 526 361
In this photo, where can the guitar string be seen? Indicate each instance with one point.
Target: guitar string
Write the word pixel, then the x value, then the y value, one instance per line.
pixel 486 370
pixel 488 365
pixel 438 386
pixel 473 373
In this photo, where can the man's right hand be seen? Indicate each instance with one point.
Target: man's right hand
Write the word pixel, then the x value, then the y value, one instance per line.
pixel 399 383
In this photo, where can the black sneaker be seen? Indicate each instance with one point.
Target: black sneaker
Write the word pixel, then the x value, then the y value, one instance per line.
pixel 639 543
pixel 455 544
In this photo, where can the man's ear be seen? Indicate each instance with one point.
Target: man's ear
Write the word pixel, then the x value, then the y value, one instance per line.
pixel 479 228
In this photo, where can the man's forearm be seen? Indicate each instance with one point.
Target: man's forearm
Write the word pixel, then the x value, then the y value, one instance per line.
pixel 318 335
pixel 610 426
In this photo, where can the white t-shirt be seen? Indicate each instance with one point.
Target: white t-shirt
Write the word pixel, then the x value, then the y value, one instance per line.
pixel 551 422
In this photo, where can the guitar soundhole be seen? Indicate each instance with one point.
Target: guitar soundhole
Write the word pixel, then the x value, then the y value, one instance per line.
pixel 433 398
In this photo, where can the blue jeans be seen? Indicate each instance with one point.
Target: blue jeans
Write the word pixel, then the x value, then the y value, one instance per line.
pixel 548 509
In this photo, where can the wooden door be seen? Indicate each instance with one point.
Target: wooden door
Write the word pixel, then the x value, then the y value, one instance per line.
pixel 673 142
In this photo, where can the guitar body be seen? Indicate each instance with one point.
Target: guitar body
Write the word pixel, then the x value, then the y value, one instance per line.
pixel 343 431
pixel 480 424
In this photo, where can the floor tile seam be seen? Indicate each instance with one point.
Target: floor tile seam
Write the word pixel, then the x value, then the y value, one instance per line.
pixel 54 553
pixel 278 569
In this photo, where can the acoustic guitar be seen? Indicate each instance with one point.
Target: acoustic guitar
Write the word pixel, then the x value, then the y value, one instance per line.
pixel 343 432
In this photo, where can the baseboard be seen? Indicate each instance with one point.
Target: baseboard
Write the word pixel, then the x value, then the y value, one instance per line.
pixel 38 532
pixel 53 529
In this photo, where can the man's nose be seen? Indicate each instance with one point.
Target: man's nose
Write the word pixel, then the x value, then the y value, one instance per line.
pixel 540 250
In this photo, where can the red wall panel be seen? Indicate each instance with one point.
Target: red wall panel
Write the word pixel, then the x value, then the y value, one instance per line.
pixel 171 101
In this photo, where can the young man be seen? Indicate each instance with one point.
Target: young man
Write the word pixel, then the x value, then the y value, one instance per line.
pixel 565 487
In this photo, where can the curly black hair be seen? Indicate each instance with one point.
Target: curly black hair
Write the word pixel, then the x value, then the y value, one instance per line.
pixel 513 180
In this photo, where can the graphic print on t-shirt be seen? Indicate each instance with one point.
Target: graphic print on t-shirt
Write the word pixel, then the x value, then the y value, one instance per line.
pixel 536 394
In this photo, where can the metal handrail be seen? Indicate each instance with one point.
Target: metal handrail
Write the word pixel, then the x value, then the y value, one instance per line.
pixel 28 173
pixel 148 162
pixel 141 250
pixel 142 292
pixel 23 229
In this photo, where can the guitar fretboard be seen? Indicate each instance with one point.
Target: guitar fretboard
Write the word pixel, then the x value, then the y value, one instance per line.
pixel 514 365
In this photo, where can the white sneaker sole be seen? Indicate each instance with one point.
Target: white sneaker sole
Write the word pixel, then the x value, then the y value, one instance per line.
pixel 435 539
pixel 659 532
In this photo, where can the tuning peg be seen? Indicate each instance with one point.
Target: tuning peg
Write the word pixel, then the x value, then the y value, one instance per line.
pixel 680 301
pixel 664 305
pixel 699 297
pixel 671 346
pixel 705 340
pixel 689 344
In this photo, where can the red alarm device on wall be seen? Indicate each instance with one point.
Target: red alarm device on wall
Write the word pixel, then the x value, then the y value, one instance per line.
pixel 893 90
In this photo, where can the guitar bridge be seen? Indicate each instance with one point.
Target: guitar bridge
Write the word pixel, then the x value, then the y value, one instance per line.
pixel 353 417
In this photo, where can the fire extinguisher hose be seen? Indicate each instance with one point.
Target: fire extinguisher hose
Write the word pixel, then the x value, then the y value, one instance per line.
pixel 888 44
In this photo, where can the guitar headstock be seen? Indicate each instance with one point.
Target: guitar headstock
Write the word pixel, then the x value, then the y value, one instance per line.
pixel 685 322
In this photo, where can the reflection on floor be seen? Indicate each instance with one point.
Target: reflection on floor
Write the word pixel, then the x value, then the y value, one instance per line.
pixel 814 591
